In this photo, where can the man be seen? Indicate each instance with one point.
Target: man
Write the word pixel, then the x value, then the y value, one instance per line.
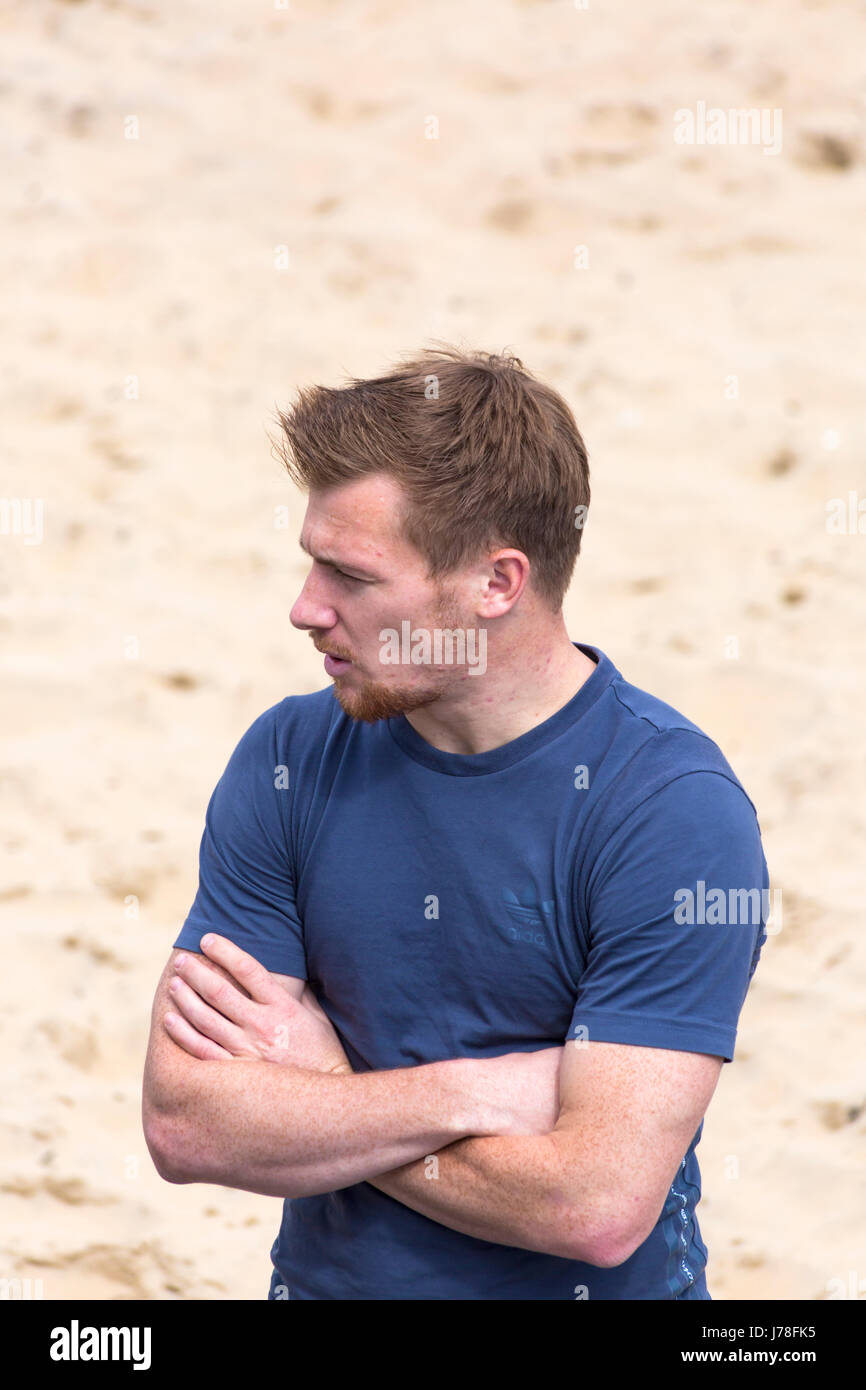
pixel 446 931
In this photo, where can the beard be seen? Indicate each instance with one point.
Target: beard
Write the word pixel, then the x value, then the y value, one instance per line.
pixel 376 700
pixel 372 700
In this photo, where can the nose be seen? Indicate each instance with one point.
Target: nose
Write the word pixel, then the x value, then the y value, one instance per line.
pixel 310 610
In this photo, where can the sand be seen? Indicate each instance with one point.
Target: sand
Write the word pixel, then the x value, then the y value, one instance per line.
pixel 208 205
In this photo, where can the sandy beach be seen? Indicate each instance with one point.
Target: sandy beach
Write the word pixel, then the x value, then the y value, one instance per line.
pixel 209 205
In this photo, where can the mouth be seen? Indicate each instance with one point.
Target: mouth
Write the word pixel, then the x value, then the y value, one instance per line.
pixel 335 665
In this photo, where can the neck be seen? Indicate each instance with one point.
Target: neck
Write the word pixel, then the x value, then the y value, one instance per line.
pixel 521 688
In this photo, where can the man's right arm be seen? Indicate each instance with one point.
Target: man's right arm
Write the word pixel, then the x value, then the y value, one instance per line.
pixel 287 1132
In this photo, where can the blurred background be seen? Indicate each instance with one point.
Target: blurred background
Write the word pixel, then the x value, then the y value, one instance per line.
pixel 206 205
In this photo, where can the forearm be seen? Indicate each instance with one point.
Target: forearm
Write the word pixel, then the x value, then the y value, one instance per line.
pixel 287 1132
pixel 505 1189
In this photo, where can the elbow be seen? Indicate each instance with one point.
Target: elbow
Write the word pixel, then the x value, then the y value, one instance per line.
pixel 604 1251
pixel 178 1157
pixel 605 1244
pixel 163 1138
pixel 610 1249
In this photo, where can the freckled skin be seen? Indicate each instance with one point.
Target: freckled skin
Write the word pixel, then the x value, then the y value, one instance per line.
pixel 287 1131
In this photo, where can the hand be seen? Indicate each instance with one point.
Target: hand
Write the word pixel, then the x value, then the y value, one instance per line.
pixel 524 1089
pixel 230 1006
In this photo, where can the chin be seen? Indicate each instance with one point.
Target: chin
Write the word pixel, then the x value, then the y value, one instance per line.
pixel 375 701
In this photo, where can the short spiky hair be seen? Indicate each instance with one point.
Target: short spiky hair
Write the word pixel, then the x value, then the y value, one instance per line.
pixel 487 455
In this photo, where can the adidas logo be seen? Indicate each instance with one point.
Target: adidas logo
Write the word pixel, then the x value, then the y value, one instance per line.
pixel 528 923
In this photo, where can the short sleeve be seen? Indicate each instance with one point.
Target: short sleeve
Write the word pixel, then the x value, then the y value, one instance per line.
pixel 246 888
pixel 677 909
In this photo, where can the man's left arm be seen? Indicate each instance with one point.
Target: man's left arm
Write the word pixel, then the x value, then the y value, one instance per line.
pixel 655 1017
pixel 592 1189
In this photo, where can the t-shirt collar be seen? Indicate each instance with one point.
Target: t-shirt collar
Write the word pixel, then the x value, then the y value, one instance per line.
pixel 495 759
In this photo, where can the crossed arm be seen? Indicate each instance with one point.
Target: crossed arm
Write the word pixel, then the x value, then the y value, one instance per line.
pixel 433 1137
pixel 628 1115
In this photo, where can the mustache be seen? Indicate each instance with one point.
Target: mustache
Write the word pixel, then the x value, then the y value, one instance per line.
pixel 339 653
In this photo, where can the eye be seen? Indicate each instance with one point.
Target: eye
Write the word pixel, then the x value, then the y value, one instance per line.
pixel 350 578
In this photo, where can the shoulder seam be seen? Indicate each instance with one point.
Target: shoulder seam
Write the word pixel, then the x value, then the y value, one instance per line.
pixel 691 772
pixel 677 729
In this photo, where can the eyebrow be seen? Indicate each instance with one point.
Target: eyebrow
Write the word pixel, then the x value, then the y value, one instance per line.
pixel 334 563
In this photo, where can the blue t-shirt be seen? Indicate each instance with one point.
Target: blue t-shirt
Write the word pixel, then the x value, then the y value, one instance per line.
pixel 600 877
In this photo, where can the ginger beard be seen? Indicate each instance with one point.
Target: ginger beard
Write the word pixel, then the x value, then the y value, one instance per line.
pixel 370 700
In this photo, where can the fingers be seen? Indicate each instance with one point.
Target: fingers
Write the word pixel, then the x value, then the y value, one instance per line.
pixel 222 994
pixel 245 968
pixel 191 1041
pixel 212 1025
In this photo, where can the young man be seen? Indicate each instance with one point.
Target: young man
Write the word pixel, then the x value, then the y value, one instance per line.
pixel 446 929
